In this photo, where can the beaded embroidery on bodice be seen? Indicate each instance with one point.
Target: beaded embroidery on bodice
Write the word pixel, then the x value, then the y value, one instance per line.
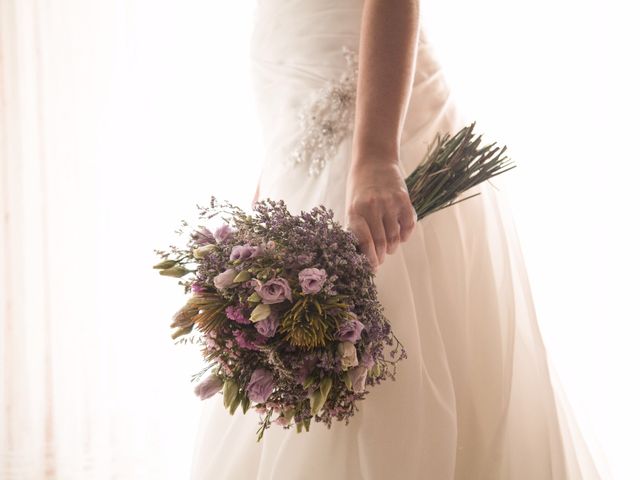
pixel 326 118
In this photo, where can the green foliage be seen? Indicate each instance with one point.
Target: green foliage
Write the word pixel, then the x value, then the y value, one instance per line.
pixel 308 324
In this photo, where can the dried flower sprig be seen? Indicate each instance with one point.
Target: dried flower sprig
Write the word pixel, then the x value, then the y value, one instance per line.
pixel 452 165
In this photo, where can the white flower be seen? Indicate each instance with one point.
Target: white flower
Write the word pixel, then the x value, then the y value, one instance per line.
pixel 358 376
pixel 348 354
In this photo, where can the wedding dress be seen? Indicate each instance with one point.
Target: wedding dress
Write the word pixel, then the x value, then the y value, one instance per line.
pixel 476 399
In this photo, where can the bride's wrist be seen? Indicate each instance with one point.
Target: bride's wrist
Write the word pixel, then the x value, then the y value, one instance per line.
pixel 375 156
pixel 373 161
pixel 370 144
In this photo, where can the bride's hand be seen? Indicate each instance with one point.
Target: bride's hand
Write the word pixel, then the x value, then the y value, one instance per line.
pixel 378 208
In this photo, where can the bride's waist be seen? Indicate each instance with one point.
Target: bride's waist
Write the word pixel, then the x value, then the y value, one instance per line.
pixel 305 31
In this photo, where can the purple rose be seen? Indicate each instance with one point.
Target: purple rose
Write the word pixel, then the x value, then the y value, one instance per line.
pixel 274 290
pixel 203 236
pixel 358 376
pixel 312 279
pixel 223 232
pixel 236 314
pixel 261 385
pixel 197 288
pixel 268 326
pixel 241 252
pixel 350 330
pixel 209 387
pixel 224 279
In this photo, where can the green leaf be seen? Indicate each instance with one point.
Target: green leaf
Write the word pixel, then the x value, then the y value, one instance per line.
pixel 309 381
pixel 289 413
pixel 347 380
pixel 243 276
pixel 175 271
pixel 260 312
pixel 246 404
pixel 254 297
pixel 316 400
pixel 229 392
pixel 165 264
pixel 202 252
pixel 325 386
pixel 234 404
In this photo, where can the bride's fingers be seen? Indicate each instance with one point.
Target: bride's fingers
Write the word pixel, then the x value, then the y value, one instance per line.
pixel 359 226
pixel 392 229
pixel 374 220
pixel 408 219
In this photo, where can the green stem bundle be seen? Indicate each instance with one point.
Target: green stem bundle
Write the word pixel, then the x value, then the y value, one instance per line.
pixel 451 166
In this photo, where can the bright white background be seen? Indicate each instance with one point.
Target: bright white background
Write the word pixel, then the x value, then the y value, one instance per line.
pixel 121 115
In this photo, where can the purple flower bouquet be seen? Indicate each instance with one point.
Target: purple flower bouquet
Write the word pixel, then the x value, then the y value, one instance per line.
pixel 284 306
pixel 285 310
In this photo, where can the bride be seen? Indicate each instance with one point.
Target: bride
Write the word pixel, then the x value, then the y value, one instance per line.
pixel 476 399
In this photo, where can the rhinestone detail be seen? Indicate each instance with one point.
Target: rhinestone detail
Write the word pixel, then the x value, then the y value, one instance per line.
pixel 326 117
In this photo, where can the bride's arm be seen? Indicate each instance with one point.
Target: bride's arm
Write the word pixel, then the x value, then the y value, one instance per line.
pixel 378 207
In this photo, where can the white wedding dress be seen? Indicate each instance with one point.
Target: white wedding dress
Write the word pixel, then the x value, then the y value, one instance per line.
pixel 476 399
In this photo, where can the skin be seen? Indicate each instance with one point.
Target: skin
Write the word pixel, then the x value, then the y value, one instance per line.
pixel 378 209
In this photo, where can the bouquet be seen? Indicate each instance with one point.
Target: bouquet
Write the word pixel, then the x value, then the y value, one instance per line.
pixel 284 307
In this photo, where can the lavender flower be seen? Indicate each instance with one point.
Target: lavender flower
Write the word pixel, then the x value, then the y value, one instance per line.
pixel 203 236
pixel 241 252
pixel 261 385
pixel 224 279
pixel 350 331
pixel 236 314
pixel 257 250
pixel 303 371
pixel 312 279
pixel 304 258
pixel 209 387
pixel 244 341
pixel 268 326
pixel 274 290
pixel 367 360
pixel 282 421
pixel 223 232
